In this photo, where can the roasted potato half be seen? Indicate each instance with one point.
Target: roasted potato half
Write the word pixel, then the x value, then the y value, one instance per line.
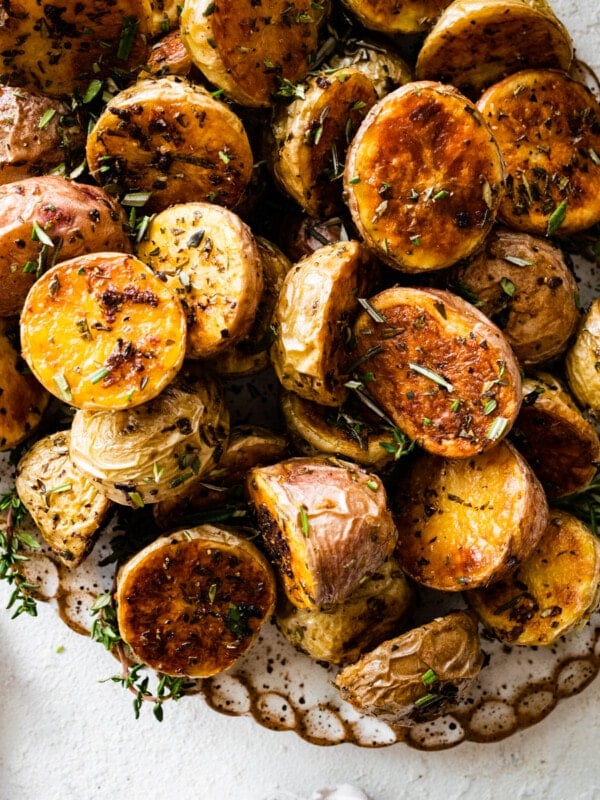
pixel 396 18
pixel 550 593
pixel 171 139
pixel 148 453
pixel 582 358
pixel 417 675
pixel 312 134
pixel 312 317
pixel 383 65
pixel 559 443
pixel 168 56
pixel 325 524
pixel 23 399
pixel 466 523
pixel 252 51
pixel 209 258
pixel 193 602
pixel 378 608
pixel 475 43
pixel 547 126
pixel 440 369
pixel 50 219
pixel 423 177
pixel 303 234
pixel 524 285
pixel 67 508
pixel 103 331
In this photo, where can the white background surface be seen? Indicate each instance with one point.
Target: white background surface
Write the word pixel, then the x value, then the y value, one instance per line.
pixel 65 735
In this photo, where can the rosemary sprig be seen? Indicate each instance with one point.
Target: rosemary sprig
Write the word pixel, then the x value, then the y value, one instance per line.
pixel 12 540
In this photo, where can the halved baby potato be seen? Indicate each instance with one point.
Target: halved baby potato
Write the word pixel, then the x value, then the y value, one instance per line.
pixel 325 524
pixel 382 64
pixel 209 258
pixel 466 523
pixel 441 370
pixel 549 594
pixel 423 177
pixel 102 331
pixel 396 18
pixel 192 603
pixel 547 126
pixel 67 508
pixel 171 139
pixel 418 675
pixel 582 358
pixel 168 56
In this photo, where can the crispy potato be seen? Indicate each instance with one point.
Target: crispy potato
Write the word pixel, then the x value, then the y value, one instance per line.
pixel 325 524
pixel 440 369
pixel 102 331
pixel 66 507
pixel 550 593
pixel 193 602
pixel 559 443
pixel 303 234
pixel 383 65
pixel 76 218
pixel 172 139
pixel 394 18
pixel 22 399
pixel 547 126
pixel 423 177
pixel 465 523
pixel 582 358
pixel 312 134
pixel 209 258
pixel 253 52
pixel 168 56
pixel 311 319
pixel 524 285
pixel 148 453
pixel 377 609
pixel 475 43
pixel 417 675
pixel 37 135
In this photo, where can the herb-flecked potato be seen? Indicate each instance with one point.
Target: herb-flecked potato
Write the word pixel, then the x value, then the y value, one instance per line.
pixel 550 593
pixel 383 65
pixel 378 608
pixel 103 331
pixel 415 16
pixel 50 219
pixel 440 369
pixel 417 675
pixel 66 507
pixel 193 602
pixel 168 56
pixel 325 524
pixel 465 523
pixel 524 285
pixel 582 358
pixel 148 453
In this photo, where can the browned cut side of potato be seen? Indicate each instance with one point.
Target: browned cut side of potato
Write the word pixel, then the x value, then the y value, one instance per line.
pixel 383 65
pixel 37 135
pixel 325 524
pixel 303 234
pixel 439 368
pixel 465 523
pixel 168 56
pixel 312 317
pixel 193 602
pixel 582 358
pixel 172 139
pixel 66 507
pixel 59 49
pixel 417 675
pixel 50 219
pixel 423 177
pixel 209 258
pixel 524 285
pixel 552 592
pixel 312 135
pixel 393 18
pixel 23 399
pixel 252 51
pixel 149 453
pixel 478 42
pixel 102 331
pixel 547 126
pixel 378 608
pixel 559 443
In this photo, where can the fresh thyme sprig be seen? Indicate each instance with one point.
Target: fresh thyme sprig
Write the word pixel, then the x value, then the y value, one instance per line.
pixel 105 630
pixel 12 540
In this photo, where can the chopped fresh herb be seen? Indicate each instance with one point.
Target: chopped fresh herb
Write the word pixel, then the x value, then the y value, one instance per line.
pixel 429 678
pixel 375 315
pixel 40 234
pixel 431 375
pixel 46 117
pixel 136 498
pixel 557 218
pixel 94 88
pixel 63 386
pixel 507 286
pixel 99 374
pixel 128 32
pixel 518 262
pixel 12 541
pixel 373 485
pixel 497 428
pixel 304 521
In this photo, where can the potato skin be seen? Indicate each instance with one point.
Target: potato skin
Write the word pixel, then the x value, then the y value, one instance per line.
pixel 465 523
pixel 78 218
pixel 391 682
pixel 393 18
pixel 581 359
